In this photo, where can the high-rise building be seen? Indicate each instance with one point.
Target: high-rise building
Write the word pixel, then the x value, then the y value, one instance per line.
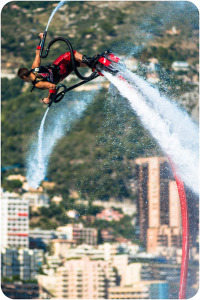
pixel 82 278
pixel 14 220
pixel 23 264
pixel 158 203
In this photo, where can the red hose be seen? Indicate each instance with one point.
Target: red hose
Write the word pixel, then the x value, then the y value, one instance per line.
pixel 185 234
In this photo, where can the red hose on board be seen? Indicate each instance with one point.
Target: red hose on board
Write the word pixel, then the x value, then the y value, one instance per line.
pixel 185 234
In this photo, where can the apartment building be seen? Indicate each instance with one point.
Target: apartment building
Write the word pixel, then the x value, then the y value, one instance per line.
pixel 67 249
pixel 20 263
pixel 140 290
pixel 79 233
pixel 36 199
pixel 14 220
pixel 80 278
pixel 40 238
pixel 159 213
pixel 84 279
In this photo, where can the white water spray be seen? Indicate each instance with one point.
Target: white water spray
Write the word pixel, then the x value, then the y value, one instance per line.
pixel 52 129
pixel 170 126
pixel 40 150
pixel 53 13
pixel 36 175
pixel 174 116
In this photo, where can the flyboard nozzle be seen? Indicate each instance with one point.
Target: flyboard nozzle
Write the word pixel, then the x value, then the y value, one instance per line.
pixel 50 103
pixel 42 42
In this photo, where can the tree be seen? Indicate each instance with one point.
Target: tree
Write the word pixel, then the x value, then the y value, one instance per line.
pixel 10 185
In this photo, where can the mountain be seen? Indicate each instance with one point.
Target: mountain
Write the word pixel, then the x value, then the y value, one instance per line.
pixel 127 27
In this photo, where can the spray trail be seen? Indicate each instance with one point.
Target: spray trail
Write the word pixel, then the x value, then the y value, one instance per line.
pixel 173 115
pixel 60 119
pixel 53 13
pixel 168 127
pixel 40 150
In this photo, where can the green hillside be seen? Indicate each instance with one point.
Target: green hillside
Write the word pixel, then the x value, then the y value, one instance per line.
pixel 128 27
pixel 95 158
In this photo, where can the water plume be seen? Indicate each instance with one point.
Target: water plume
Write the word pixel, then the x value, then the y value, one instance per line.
pixel 56 122
pixel 171 127
pixel 53 13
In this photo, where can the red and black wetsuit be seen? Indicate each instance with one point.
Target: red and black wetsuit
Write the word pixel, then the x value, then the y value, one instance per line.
pixel 55 72
pixel 65 65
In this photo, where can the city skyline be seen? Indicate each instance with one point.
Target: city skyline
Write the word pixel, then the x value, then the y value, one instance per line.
pixel 76 247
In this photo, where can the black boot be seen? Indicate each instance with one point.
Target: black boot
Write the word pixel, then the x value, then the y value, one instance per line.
pixel 90 61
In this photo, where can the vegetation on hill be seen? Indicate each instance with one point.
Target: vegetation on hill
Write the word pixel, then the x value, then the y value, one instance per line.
pixel 55 215
pixel 126 27
pixel 95 158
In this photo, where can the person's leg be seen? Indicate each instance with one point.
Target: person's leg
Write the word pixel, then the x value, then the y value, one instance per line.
pixel 79 57
pixel 65 65
pixel 66 58
pixel 63 61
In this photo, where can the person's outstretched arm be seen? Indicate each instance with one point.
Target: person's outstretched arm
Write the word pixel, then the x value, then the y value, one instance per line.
pixel 37 60
pixel 45 85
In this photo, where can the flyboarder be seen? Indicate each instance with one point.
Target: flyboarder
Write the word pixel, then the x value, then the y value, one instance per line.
pixel 46 77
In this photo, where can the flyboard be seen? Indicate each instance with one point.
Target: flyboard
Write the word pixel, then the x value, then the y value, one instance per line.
pixel 105 61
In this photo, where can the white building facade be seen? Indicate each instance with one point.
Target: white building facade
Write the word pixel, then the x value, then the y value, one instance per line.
pixel 36 199
pixel 80 278
pixel 14 221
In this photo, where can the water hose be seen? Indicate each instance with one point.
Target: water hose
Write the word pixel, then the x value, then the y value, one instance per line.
pixel 67 42
pixel 185 234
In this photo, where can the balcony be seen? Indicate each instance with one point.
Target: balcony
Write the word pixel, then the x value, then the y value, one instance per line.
pixel 64 295
pixel 101 289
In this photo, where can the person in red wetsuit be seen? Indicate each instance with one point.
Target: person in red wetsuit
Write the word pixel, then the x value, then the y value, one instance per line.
pixel 46 77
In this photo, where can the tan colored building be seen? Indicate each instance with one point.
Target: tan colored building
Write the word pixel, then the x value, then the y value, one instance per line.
pixel 140 290
pixel 80 234
pixel 84 279
pixel 67 249
pixel 121 262
pixel 158 204
pixel 61 246
pixel 36 200
pixel 85 235
pixel 137 291
pixel 57 199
